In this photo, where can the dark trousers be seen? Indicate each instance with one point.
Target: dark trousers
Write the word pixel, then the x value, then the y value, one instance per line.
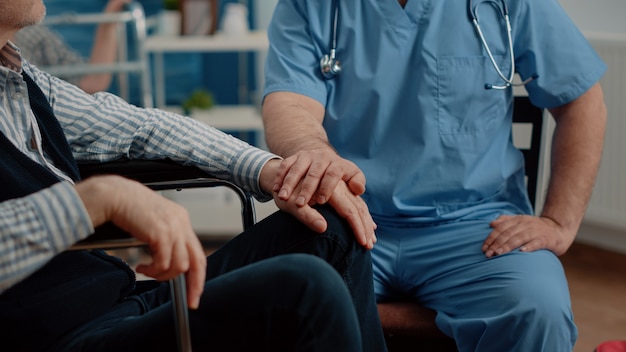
pixel 280 233
pixel 258 296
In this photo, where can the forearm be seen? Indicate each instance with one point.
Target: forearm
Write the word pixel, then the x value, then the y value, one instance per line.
pixel 293 123
pixel 104 127
pixel 155 134
pixel 104 51
pixel 35 228
pixel 576 153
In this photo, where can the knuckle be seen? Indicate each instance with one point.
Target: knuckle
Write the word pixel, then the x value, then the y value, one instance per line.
pixel 160 265
pixel 334 171
pixel 349 212
pixel 201 261
pixel 180 266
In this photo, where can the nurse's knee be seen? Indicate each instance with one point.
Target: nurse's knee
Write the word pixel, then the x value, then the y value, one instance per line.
pixel 549 299
pixel 542 301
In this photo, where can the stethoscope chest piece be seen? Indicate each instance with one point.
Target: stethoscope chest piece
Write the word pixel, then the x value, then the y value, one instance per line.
pixel 330 66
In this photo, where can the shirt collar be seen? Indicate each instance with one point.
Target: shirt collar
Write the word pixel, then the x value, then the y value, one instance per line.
pixel 10 57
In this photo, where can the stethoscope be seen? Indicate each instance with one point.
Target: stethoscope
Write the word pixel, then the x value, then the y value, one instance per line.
pixel 503 10
pixel 331 66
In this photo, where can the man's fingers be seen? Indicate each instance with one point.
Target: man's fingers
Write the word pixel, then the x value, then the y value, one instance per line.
pixel 355 211
pixel 316 174
pixel 295 170
pixel 321 187
pixel 311 218
pixel 322 179
pixel 196 275
pixel 356 183
pixel 166 261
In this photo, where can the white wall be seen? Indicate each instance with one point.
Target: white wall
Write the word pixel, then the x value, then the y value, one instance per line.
pixel 597 15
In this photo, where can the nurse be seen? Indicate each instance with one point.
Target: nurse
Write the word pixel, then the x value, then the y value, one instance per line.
pixel 415 96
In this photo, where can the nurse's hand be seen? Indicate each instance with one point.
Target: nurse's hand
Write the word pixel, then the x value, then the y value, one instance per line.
pixel 317 173
pixel 528 233
pixel 349 206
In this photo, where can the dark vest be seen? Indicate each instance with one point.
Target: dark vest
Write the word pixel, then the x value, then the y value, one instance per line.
pixel 72 288
pixel 22 176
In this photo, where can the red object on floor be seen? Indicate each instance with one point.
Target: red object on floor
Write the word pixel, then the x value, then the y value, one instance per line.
pixel 612 346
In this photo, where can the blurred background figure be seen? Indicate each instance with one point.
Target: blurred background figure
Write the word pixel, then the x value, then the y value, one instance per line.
pixel 43 46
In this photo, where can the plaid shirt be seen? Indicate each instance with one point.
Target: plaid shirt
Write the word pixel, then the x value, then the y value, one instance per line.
pixel 100 127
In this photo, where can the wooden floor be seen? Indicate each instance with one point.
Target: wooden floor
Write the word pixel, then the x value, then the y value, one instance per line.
pixel 597 280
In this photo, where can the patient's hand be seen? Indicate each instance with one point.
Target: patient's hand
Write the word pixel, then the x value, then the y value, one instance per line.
pixel 162 224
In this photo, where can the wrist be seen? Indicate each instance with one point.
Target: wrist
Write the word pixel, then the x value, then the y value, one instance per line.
pixel 98 196
pixel 268 175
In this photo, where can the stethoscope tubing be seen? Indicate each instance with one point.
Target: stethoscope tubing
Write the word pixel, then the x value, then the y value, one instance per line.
pixel 504 11
pixel 473 15
pixel 333 48
pixel 509 80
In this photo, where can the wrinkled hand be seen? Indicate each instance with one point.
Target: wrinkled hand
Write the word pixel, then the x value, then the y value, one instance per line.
pixel 349 206
pixel 319 176
pixel 528 233
pixel 318 172
pixel 163 225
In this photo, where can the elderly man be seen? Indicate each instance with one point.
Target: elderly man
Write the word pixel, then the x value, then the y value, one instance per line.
pixel 267 289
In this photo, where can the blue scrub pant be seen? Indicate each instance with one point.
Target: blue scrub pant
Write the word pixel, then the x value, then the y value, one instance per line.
pixel 259 296
pixel 514 302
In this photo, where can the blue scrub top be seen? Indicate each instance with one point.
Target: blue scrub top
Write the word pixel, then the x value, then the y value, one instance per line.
pixel 410 107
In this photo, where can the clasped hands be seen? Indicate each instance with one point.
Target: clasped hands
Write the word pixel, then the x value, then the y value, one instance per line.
pixel 320 176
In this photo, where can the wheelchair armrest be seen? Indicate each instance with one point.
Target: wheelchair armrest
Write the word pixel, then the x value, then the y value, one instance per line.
pixel 107 236
pixel 144 171
pixel 166 174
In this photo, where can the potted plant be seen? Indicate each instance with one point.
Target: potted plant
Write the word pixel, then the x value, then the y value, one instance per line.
pixel 171 5
pixel 200 99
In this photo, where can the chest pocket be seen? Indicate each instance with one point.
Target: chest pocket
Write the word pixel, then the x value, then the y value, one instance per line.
pixel 465 107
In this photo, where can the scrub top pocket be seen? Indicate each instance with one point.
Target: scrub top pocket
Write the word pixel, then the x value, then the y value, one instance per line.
pixel 465 107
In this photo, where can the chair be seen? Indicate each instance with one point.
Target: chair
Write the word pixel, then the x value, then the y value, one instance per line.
pixel 159 175
pixel 409 326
